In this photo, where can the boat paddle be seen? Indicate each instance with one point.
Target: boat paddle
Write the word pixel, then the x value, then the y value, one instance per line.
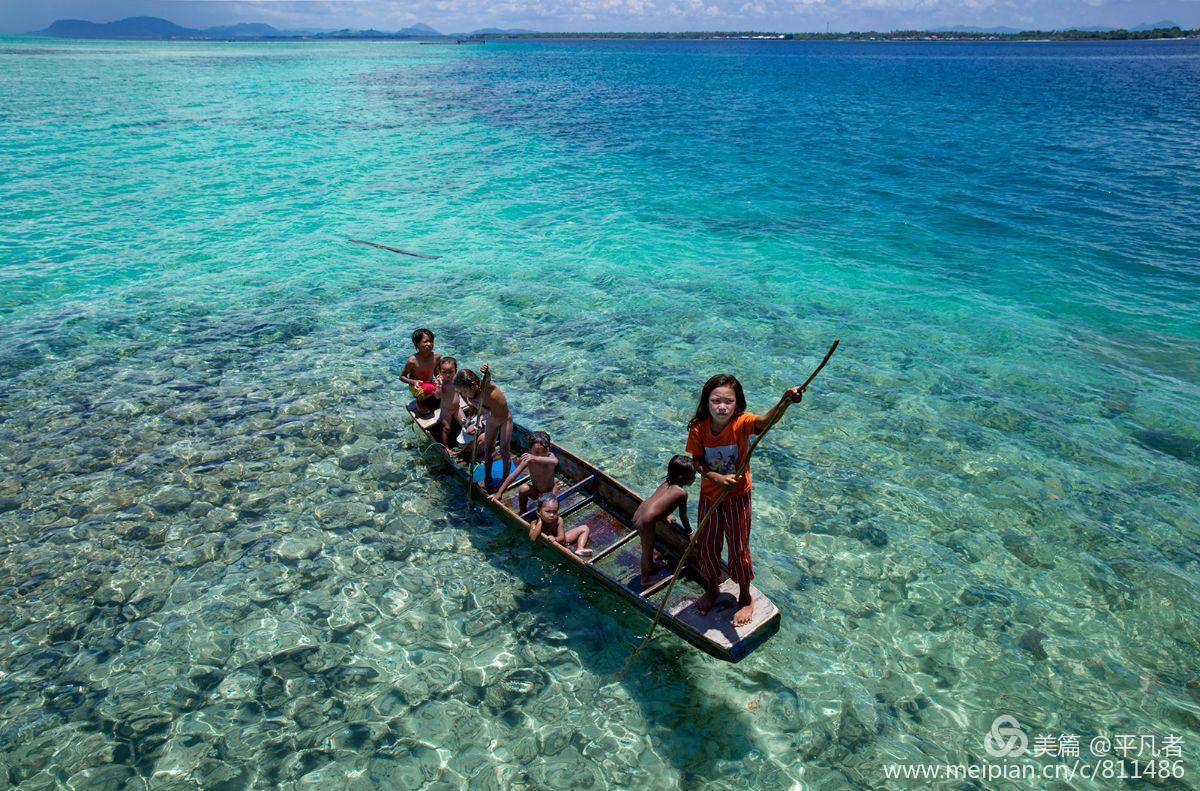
pixel 780 408
pixel 479 432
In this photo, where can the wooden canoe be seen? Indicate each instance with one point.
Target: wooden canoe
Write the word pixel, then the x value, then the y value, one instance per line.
pixel 590 496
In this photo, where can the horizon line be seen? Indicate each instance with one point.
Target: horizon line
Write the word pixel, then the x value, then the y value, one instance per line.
pixel 995 29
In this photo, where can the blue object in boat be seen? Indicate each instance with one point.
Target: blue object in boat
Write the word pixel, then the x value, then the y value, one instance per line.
pixel 498 471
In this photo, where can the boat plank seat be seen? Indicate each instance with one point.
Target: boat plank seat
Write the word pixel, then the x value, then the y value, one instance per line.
pixel 604 528
pixel 620 542
pixel 624 565
pixel 564 495
pixel 427 423
pixel 512 497
pixel 657 586
pixel 578 505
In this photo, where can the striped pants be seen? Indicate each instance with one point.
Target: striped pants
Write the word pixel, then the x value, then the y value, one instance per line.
pixel 732 522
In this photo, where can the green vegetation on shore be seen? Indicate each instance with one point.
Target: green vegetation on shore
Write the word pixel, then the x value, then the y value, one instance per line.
pixel 895 35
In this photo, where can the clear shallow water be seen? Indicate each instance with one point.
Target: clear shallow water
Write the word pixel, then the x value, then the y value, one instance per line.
pixel 225 559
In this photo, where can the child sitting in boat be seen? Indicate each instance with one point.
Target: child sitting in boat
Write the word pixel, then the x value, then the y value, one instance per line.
pixel 470 427
pixel 671 495
pixel 547 521
pixel 499 424
pixel 419 372
pixel 540 463
pixel 451 417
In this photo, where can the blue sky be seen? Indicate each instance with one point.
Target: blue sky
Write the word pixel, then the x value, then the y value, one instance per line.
pixel 18 16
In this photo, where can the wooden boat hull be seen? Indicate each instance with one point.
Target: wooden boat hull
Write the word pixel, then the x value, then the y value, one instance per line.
pixel 590 496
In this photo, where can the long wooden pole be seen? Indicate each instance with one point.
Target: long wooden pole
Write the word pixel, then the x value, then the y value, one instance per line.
pixel 780 408
pixel 395 249
pixel 479 432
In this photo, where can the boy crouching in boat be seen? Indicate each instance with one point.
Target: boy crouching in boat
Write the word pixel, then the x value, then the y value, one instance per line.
pixel 540 463
pixel 494 407
pixel 547 521
pixel 670 495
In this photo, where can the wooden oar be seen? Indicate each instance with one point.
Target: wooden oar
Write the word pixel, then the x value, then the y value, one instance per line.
pixel 780 408
pixel 395 249
pixel 479 432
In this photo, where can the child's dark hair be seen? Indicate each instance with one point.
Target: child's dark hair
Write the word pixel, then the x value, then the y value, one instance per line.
pixel 421 333
pixel 546 499
pixel 720 380
pixel 450 360
pixel 467 378
pixel 681 470
pixel 539 436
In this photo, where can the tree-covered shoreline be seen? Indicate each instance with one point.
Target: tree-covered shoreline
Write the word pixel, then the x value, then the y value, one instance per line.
pixel 895 35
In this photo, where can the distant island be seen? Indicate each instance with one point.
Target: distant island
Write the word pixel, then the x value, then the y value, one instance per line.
pixel 154 28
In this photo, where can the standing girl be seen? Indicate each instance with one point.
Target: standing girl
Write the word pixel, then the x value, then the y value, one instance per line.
pixel 718 439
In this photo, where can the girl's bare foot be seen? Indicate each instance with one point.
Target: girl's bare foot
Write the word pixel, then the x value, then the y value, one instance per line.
pixel 745 613
pixel 583 553
pixel 706 602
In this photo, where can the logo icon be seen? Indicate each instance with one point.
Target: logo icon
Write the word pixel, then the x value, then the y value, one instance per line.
pixel 1006 739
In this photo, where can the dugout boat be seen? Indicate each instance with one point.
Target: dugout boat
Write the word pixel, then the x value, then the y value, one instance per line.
pixel 588 495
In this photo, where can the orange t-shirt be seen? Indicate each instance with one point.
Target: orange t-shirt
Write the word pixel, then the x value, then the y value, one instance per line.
pixel 723 452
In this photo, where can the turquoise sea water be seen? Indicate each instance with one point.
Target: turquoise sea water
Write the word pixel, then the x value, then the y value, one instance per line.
pixel 226 561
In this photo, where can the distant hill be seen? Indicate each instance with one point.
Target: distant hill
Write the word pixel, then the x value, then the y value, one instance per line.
pixel 149 27
pixel 154 28
pixel 133 27
pixel 415 31
pixel 1165 24
pixel 419 29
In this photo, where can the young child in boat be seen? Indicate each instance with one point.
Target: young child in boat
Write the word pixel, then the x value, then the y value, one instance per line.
pixel 718 438
pixel 540 463
pixel 671 495
pixel 499 425
pixel 470 428
pixel 451 417
pixel 419 372
pixel 547 521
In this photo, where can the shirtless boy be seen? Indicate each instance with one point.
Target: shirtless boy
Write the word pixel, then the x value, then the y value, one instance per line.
pixel 451 417
pixel 420 370
pixel 670 495
pixel 540 463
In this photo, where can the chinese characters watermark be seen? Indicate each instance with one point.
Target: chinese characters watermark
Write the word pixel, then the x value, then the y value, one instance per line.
pixel 1118 756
